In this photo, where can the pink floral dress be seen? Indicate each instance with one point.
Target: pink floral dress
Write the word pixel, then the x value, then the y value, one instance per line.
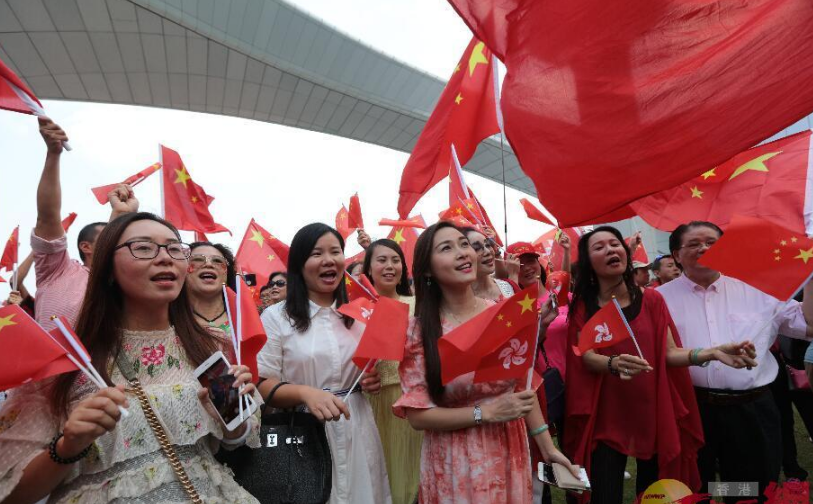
pixel 487 464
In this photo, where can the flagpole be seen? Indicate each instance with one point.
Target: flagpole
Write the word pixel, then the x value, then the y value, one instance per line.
pixel 355 383
pixel 536 351
pixel 496 73
pixel 163 201
pixel 627 325
pixel 233 331
pixel 14 281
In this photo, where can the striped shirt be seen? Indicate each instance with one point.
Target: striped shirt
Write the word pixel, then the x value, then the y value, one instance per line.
pixel 61 281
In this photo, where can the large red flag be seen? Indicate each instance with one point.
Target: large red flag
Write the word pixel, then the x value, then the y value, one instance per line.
pixel 605 328
pixel 133 180
pixel 67 221
pixel 464 347
pixel 14 95
pixel 247 319
pixel 465 114
pixel 769 181
pixel 9 258
pixel 27 353
pixel 261 253
pixel 384 336
pixel 762 254
pixel 607 102
pixel 186 204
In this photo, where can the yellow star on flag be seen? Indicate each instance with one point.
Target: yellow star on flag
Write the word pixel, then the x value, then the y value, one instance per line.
pixel 271 257
pixel 477 57
pixel 6 321
pixel 756 164
pixel 347 281
pixel 708 174
pixel 256 236
pixel 470 205
pixel 527 304
pixel 777 258
pixel 697 193
pixel 508 324
pixel 458 98
pixel 398 237
pixel 458 211
pixel 182 176
pixel 794 239
pixel 783 243
pixel 457 68
pixel 775 251
pixel 194 199
pixel 805 255
pixel 500 316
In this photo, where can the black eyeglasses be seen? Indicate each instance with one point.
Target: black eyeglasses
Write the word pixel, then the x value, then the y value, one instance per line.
pixel 150 249
pixel 480 246
pixel 277 283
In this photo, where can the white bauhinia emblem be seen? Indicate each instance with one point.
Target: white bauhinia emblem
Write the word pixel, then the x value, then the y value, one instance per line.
pixel 603 333
pixel 513 353
pixel 366 313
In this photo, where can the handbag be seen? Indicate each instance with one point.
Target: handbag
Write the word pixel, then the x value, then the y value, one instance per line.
pixel 158 429
pixel 797 378
pixel 293 463
pixel 554 392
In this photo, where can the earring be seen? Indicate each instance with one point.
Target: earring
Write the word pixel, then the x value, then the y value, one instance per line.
pixel 428 281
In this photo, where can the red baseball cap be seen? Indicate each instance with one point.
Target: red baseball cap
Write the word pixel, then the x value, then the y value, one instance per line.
pixel 522 248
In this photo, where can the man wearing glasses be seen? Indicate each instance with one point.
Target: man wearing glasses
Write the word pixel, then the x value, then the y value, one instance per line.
pixel 741 421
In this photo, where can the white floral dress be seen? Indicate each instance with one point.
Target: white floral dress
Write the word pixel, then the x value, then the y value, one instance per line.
pixel 127 465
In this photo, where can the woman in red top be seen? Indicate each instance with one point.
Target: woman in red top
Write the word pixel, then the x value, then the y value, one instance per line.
pixel 621 405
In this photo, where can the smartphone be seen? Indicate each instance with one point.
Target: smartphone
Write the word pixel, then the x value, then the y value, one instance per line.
pixel 546 474
pixel 251 279
pixel 214 375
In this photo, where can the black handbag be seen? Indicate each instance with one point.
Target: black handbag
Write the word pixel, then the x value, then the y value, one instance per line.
pixel 293 463
pixel 554 392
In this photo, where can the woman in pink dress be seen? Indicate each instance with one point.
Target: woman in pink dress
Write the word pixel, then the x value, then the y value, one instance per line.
pixel 475 447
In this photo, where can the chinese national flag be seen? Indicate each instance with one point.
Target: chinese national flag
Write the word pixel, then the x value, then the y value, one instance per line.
pixel 460 192
pixel 261 253
pixel 641 96
pixel 27 353
pixel 416 222
pixel 133 180
pixel 640 255
pixel 464 348
pixel 67 221
pixel 248 326
pixel 555 252
pixel 359 288
pixel 384 336
pixel 354 213
pixel 606 328
pixel 558 283
pixel 201 237
pixel 343 223
pixel 406 237
pixel 464 209
pixel 186 204
pixel 465 114
pixel 768 181
pixel 359 309
pixel 534 213
pixel 762 254
pixel 512 360
pixel 9 258
pixel 14 95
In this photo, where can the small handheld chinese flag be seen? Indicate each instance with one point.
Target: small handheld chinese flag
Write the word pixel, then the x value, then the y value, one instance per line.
pixel 27 353
pixel 343 222
pixel 261 253
pixel 354 212
pixel 67 221
pixel 384 336
pixel 101 192
pixel 360 287
pixel 9 258
pixel 463 348
pixel 764 255
pixel 414 222
pixel 605 328
pixel 248 326
pixel 558 283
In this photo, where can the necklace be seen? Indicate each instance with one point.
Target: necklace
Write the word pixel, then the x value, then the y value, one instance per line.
pixel 210 321
pixel 454 317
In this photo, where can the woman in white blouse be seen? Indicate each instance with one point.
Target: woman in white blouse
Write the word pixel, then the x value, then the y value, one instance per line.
pixel 310 346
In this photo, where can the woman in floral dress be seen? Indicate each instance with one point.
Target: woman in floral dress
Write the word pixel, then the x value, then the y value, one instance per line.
pixel 65 438
pixel 475 448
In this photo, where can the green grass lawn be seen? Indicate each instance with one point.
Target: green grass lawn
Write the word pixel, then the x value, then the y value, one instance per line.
pixel 803 446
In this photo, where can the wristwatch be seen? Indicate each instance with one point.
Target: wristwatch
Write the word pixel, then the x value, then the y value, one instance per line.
pixel 478 415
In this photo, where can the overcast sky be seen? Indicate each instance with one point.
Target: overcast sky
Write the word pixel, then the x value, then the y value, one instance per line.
pixel 283 177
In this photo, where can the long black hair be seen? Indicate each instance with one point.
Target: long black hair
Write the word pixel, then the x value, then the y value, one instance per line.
pixel 227 254
pixel 587 286
pixel 428 297
pixel 297 302
pixel 402 289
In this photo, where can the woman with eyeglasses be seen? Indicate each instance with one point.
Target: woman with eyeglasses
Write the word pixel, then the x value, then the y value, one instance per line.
pixel 307 361
pixel 66 438
pixel 210 266
pixel 619 404
pixel 385 266
pixel 487 286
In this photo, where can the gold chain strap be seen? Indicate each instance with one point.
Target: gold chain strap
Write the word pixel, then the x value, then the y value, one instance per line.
pixel 163 440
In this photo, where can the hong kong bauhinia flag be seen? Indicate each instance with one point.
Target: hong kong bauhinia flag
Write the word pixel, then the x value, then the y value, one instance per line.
pixel 385 333
pixel 607 102
pixel 464 115
pixel 606 327
pixel 186 204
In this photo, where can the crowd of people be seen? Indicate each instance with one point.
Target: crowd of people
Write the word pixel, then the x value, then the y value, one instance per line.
pixel 696 397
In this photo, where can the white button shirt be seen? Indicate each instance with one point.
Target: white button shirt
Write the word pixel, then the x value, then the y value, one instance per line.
pixel 321 358
pixel 731 311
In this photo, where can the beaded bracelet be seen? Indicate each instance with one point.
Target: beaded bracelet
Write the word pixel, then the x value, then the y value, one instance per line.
pixel 65 461
pixel 610 366
pixel 539 430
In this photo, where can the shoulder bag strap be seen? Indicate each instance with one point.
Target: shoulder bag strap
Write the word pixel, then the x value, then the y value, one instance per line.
pixel 158 430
